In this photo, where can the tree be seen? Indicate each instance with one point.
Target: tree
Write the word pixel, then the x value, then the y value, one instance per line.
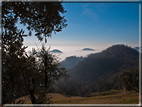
pixel 13 61
pixel 20 72
pixel 42 17
pixel 129 79
pixel 100 85
pixel 50 68
pixel 47 71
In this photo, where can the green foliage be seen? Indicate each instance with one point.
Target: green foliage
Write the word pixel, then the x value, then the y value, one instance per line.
pixel 131 101
pixel 129 79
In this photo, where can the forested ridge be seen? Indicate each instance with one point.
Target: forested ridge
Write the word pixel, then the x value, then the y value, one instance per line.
pixel 113 59
pixel 116 68
pixel 71 61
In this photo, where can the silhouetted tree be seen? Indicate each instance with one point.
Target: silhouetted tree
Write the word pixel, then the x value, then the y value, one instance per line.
pixel 20 72
pixel 13 61
pixel 51 68
pixel 42 17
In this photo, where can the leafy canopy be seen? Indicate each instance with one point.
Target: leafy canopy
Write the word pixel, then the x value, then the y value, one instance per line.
pixel 21 74
pixel 41 17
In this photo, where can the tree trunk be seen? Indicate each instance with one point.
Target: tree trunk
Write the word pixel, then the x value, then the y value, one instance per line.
pixel 45 81
pixel 32 97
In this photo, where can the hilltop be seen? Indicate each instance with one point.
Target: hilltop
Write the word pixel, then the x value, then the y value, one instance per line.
pixel 88 49
pixel 112 60
pixel 56 51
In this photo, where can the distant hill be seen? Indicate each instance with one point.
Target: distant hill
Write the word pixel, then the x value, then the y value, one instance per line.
pixel 56 51
pixel 112 60
pixel 88 49
pixel 137 48
pixel 71 61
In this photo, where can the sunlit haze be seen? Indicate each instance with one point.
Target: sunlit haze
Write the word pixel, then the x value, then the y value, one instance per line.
pixel 93 25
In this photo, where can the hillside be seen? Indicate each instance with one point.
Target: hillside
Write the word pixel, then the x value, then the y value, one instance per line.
pixel 112 60
pixel 71 61
pixel 137 48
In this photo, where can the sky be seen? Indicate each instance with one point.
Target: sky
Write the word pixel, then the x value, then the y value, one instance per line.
pixel 94 25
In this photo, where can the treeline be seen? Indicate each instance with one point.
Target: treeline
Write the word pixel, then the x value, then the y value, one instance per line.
pixel 125 80
pixel 114 68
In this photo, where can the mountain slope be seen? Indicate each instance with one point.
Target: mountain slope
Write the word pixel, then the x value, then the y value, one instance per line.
pixel 113 59
pixel 71 61
pixel 137 48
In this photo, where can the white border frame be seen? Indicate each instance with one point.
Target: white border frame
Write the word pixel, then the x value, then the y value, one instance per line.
pixel 94 1
pixel 140 52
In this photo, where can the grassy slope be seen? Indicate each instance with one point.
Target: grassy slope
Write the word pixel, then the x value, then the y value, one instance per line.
pixel 119 97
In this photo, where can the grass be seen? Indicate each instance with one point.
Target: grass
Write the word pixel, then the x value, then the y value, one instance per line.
pixel 131 101
pixel 107 97
pixel 110 92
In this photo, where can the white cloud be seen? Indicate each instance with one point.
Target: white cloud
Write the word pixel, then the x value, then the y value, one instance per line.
pixel 68 50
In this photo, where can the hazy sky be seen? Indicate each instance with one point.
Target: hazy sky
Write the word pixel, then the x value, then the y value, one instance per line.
pixel 96 25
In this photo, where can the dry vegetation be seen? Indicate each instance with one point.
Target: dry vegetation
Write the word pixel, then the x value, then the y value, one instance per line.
pixel 107 97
